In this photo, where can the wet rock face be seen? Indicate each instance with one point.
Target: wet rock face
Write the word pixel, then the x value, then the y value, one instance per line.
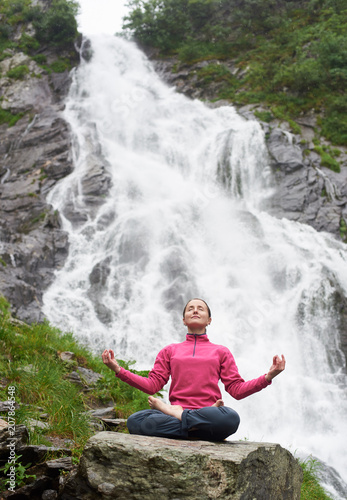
pixel 304 190
pixel 34 155
pixel 115 465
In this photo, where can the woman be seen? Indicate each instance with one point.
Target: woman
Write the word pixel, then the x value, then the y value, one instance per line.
pixel 195 366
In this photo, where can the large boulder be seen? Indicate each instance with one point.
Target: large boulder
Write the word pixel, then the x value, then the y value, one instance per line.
pixel 122 466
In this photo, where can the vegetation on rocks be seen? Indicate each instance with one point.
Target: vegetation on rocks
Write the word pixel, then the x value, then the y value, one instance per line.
pixel 44 33
pixel 291 56
pixel 30 362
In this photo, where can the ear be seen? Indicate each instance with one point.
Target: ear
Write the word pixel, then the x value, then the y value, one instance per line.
pixel 184 322
pixel 209 321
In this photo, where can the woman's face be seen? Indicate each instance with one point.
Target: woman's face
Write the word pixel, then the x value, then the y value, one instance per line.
pixel 196 315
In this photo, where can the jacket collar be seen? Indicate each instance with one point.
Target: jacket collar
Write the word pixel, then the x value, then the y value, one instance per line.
pixel 192 337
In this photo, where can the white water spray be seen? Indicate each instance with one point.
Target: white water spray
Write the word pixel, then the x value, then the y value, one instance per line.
pixel 180 216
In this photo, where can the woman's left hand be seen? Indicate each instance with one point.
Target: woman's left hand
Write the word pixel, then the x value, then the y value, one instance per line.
pixel 278 365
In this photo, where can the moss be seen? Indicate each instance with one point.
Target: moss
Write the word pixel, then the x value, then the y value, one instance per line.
pixel 40 58
pixel 264 116
pixel 61 65
pixel 9 118
pixel 19 72
pixel 343 229
pixel 326 159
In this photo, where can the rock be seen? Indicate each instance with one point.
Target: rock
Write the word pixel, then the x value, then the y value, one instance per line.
pixel 67 356
pixel 33 424
pixel 32 491
pixel 34 155
pixel 108 412
pixel 84 377
pixel 129 467
pixel 33 454
pixel 304 190
pixel 89 377
pixel 3 424
pixel 18 440
pixel 52 468
pixel 49 495
pixel 5 406
pixel 117 424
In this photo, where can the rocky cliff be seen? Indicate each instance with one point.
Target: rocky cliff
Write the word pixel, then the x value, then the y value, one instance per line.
pixel 115 465
pixel 34 155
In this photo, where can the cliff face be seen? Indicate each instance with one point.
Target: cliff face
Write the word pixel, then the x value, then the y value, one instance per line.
pixel 34 155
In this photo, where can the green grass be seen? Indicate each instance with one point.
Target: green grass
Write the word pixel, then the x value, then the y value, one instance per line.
pixel 19 72
pixel 311 489
pixel 29 361
pixel 9 118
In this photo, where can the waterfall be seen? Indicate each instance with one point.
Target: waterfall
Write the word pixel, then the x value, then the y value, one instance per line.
pixel 166 202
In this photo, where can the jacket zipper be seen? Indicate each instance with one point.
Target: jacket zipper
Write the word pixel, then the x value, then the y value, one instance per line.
pixel 194 346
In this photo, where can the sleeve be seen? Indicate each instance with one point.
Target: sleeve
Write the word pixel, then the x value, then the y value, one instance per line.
pixel 234 384
pixel 157 377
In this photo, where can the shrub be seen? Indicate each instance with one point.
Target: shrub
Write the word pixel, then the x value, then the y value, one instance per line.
pixel 60 66
pixel 9 118
pixel 58 24
pixel 28 43
pixel 40 59
pixel 19 72
pixel 264 116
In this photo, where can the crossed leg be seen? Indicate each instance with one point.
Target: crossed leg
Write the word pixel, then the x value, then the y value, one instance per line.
pixel 213 423
pixel 173 410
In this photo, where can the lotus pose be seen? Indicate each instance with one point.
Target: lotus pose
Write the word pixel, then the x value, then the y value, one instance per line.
pixel 195 366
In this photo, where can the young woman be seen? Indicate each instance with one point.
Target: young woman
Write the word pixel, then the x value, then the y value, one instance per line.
pixel 195 366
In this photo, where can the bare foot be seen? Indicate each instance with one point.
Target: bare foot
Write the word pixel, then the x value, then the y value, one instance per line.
pixel 173 410
pixel 219 402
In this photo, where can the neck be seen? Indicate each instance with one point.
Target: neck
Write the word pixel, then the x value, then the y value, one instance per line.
pixel 197 331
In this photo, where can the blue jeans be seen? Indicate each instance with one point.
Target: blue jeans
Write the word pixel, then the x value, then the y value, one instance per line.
pixel 209 424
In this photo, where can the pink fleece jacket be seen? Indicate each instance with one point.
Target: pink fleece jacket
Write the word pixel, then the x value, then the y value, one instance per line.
pixel 195 365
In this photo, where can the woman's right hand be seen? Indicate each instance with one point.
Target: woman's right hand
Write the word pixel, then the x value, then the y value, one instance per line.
pixel 110 361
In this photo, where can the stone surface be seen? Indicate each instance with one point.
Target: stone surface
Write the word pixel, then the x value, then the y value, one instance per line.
pixel 34 155
pixel 122 466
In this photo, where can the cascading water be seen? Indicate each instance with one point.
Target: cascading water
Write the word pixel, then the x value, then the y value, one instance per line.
pixel 176 212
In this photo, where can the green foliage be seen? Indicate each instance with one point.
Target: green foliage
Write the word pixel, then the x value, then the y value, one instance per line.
pixel 311 489
pixel 40 58
pixel 264 116
pixel 327 159
pixel 20 474
pixel 28 43
pixel 343 229
pixel 29 361
pixel 9 118
pixel 19 72
pixel 57 25
pixel 61 65
pixel 294 54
